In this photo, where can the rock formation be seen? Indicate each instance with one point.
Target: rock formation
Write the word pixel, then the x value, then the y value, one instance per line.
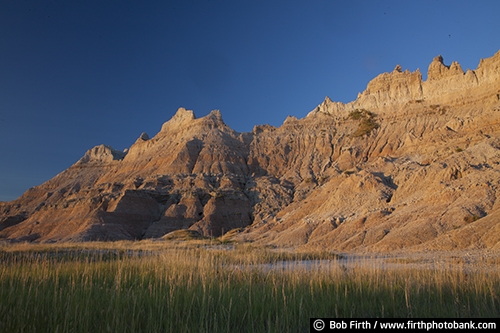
pixel 410 164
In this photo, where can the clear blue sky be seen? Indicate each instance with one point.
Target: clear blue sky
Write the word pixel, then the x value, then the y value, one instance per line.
pixel 75 74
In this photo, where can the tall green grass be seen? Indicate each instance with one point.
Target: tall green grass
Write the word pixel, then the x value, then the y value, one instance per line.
pixel 199 289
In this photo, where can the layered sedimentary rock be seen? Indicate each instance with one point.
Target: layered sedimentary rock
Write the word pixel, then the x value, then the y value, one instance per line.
pixel 410 164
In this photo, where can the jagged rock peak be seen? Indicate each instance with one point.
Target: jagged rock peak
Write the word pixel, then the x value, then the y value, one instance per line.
pixel 185 117
pixel 142 138
pixel 398 69
pixel 257 129
pixel 181 116
pixel 100 154
pixel 437 69
pixel 290 119
pixel 439 59
pixel 215 115
pixel 450 85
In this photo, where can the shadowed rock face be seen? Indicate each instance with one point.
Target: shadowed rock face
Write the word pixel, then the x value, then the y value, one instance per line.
pixel 410 164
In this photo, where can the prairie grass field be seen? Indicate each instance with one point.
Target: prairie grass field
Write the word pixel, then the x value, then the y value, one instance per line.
pixel 201 286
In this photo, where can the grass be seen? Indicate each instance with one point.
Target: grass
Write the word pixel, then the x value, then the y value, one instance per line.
pixel 205 286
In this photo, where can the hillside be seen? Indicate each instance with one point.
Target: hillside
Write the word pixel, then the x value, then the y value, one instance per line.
pixel 410 164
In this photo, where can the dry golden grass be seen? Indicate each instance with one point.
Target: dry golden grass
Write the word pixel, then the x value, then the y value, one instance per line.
pixel 212 286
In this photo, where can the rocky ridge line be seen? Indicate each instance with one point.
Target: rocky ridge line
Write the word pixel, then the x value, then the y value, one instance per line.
pixel 410 164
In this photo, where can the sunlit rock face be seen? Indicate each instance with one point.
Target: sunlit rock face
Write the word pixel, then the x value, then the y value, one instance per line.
pixel 410 164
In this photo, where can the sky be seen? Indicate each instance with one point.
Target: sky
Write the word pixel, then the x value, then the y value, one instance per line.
pixel 76 74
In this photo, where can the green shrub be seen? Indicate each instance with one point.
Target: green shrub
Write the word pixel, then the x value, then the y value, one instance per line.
pixel 367 122
pixel 356 114
pixel 366 126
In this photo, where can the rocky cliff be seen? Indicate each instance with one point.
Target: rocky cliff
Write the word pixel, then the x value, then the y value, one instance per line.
pixel 410 164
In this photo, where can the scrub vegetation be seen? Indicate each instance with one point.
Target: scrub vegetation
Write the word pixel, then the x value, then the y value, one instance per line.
pixel 367 122
pixel 207 286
